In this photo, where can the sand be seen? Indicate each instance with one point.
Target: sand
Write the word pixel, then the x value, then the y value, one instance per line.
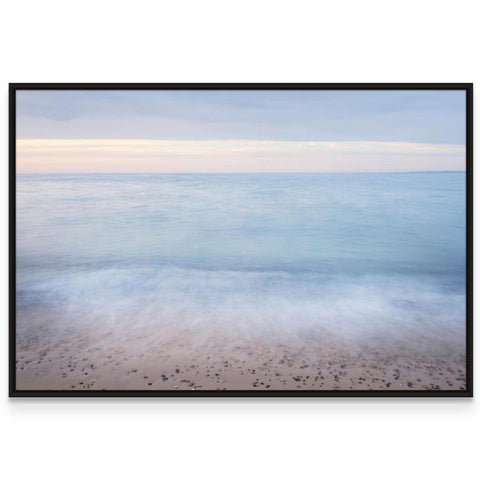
pixel 182 360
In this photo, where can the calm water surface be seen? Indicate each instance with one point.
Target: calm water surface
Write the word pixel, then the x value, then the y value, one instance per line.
pixel 346 252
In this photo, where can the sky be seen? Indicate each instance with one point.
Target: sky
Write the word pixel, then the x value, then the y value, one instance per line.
pixel 75 131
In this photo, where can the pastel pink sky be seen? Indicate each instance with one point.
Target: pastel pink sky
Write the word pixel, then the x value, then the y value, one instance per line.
pixel 142 155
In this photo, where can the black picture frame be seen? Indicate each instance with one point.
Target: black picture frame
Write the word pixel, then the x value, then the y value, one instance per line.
pixel 467 87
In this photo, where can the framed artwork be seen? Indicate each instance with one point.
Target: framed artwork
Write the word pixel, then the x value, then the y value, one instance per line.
pixel 241 240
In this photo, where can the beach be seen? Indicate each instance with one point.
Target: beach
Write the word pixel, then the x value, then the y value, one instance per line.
pixel 87 365
pixel 172 359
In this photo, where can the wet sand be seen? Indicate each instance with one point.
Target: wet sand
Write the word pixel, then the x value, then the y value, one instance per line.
pixel 184 361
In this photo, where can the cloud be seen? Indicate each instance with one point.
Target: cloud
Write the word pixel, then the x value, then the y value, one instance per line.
pixel 406 116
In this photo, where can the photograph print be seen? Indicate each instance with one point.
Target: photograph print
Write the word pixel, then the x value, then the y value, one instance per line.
pixel 240 240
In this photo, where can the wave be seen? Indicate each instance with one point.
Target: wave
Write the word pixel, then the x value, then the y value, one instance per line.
pixel 281 305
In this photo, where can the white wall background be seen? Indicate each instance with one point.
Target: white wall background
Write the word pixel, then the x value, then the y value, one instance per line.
pixel 222 41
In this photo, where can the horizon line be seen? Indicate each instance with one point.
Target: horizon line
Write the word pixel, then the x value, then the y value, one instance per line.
pixel 240 173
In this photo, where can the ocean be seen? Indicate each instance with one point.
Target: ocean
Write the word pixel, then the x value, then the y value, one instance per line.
pixel 254 255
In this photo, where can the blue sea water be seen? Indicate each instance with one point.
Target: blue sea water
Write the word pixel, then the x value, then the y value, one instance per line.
pixel 348 253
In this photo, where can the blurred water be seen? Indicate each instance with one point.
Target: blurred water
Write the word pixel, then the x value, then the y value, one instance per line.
pixel 346 252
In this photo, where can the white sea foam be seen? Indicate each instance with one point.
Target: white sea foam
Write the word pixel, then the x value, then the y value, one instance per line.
pixel 243 304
